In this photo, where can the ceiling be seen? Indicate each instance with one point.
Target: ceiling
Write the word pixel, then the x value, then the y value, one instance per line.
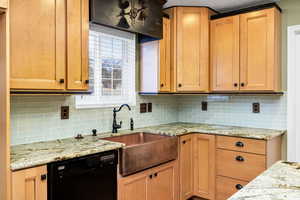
pixel 218 5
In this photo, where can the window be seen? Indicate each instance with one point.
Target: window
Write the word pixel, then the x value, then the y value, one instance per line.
pixel 112 68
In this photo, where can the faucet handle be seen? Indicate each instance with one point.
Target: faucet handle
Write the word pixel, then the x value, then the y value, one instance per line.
pixel 121 124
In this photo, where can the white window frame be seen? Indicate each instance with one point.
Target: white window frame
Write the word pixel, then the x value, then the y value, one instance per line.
pixel 94 100
pixel 293 95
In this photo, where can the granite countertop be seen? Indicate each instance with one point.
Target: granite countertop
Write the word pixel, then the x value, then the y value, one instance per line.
pixel 279 182
pixel 40 153
pixel 30 155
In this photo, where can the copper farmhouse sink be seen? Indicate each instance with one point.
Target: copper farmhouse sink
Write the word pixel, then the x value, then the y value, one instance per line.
pixel 144 150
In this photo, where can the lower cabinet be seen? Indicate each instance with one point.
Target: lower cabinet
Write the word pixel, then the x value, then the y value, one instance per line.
pixel 30 184
pixel 197 166
pixel 157 183
pixel 228 186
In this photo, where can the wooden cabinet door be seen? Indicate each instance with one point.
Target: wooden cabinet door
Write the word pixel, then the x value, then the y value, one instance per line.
pixel 165 58
pixel 225 54
pixel 29 184
pixel 37 44
pixel 163 182
pixel 204 166
pixel 134 187
pixel 259 50
pixel 192 49
pixel 77 44
pixel 186 167
pixel 226 187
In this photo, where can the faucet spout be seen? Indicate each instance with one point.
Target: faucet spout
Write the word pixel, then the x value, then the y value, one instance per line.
pixel 115 125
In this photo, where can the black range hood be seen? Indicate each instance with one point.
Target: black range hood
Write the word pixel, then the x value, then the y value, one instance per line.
pixel 138 16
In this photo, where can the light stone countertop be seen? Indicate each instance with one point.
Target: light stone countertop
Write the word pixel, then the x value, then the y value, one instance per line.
pixel 279 182
pixel 40 153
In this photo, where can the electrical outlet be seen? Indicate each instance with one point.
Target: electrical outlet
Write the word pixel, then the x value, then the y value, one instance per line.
pixel 204 105
pixel 149 107
pixel 143 108
pixel 64 112
pixel 256 107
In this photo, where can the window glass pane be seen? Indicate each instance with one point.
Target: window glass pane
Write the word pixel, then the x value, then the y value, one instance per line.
pixel 117 74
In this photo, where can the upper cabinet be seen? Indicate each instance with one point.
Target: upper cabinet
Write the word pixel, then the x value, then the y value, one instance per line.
pixel 260 50
pixel 180 61
pixel 48 50
pixel 225 69
pixel 192 48
pixel 165 58
pixel 155 63
pixel 245 52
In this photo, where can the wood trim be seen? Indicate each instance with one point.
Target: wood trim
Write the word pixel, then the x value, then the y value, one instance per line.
pixel 3 4
pixel 247 10
pixel 5 181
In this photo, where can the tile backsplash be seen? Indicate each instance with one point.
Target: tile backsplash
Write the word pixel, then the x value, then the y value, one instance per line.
pixel 38 118
pixel 237 111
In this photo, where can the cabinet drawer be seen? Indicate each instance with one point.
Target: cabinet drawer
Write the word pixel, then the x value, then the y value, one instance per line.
pixel 226 187
pixel 243 166
pixel 242 144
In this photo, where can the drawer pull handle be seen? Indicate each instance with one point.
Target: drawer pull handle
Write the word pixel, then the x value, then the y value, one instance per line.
pixel 43 177
pixel 240 159
pixel 238 186
pixel 239 144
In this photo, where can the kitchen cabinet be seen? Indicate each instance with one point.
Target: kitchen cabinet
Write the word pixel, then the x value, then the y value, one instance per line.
pixel 30 184
pixel 165 58
pixel 225 74
pixel 156 183
pixel 192 49
pixel 204 167
pixel 197 166
pixel 245 52
pixel 179 62
pixel 240 160
pixel 186 166
pixel 228 186
pixel 48 50
pixel 155 63
pixel 260 50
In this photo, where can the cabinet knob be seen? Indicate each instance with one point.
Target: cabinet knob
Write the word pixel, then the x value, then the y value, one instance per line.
pixel 151 176
pixel 239 144
pixel 43 177
pixel 162 85
pixel 240 159
pixel 61 81
pixel 243 84
pixel 155 175
pixel 87 81
pixel 179 85
pixel 183 142
pixel 238 186
pixel 235 85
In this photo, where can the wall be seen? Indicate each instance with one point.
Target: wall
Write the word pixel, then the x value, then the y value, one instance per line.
pixel 38 118
pixel 237 111
pixel 290 17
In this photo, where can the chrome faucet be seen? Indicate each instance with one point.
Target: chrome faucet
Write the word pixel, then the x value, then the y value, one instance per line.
pixel 115 125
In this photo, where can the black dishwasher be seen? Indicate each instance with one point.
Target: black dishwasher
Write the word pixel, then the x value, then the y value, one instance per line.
pixel 92 177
